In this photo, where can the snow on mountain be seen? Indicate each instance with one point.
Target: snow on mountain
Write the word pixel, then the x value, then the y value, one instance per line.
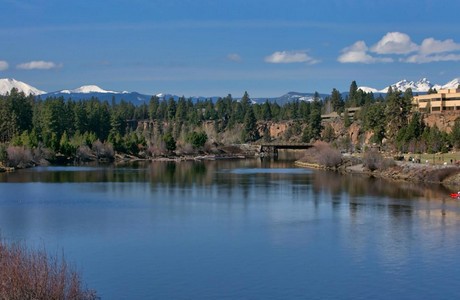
pixel 453 84
pixel 296 96
pixel 6 84
pixel 421 86
pixel 87 89
pixel 368 89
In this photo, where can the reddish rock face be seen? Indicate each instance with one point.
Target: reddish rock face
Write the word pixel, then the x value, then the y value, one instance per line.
pixel 444 121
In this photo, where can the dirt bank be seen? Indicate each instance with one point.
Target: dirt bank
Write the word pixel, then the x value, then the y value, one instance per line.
pixel 448 175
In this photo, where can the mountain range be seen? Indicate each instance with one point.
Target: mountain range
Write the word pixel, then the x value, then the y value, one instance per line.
pixel 421 86
pixel 89 91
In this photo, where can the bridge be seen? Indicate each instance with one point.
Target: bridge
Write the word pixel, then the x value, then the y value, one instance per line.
pixel 272 149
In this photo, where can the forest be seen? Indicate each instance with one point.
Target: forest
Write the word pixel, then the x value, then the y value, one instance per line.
pixel 84 129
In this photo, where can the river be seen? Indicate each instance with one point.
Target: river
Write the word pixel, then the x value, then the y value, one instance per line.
pixel 243 229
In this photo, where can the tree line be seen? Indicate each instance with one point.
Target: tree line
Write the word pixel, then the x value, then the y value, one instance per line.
pixel 69 126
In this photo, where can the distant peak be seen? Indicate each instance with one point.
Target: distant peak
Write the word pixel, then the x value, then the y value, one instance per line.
pixel 6 84
pixel 91 89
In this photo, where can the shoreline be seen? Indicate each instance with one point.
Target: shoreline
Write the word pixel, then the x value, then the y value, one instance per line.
pixel 447 175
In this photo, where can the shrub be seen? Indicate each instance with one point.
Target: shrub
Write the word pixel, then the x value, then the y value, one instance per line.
pixel 329 157
pixel 26 274
pixel 387 163
pixel 170 142
pixel 323 154
pixel 197 139
pixel 3 153
pixel 84 153
pixel 103 150
pixel 19 157
pixel 373 160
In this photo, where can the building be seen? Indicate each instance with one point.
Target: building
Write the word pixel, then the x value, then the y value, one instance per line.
pixel 334 115
pixel 447 100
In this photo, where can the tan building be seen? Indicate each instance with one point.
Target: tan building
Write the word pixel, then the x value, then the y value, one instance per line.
pixel 443 101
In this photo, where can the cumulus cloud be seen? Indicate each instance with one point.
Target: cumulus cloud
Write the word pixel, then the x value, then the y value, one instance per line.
pixel 423 59
pixel 397 46
pixel 3 65
pixel 358 53
pixel 286 57
pixel 432 50
pixel 395 43
pixel 234 57
pixel 430 45
pixel 39 65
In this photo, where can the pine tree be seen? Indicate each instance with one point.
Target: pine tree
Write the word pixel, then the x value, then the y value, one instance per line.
pixel 353 95
pixel 250 132
pixel 336 101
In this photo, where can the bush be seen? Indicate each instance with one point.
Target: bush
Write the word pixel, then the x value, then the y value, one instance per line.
pixel 329 157
pixel 3 153
pixel 323 154
pixel 103 150
pixel 19 157
pixel 373 160
pixel 84 153
pixel 197 139
pixel 26 274
pixel 170 142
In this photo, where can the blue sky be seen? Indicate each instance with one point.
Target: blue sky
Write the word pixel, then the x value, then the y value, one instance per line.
pixel 201 47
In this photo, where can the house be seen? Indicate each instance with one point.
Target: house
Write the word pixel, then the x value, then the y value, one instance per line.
pixel 447 100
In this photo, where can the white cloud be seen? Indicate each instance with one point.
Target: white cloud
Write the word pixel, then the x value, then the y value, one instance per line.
pixel 397 46
pixel 234 57
pixel 423 59
pixel 285 57
pixel 430 45
pixel 38 65
pixel 395 43
pixel 3 65
pixel 358 53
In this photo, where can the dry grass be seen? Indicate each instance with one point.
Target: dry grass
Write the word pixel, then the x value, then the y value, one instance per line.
pixel 26 274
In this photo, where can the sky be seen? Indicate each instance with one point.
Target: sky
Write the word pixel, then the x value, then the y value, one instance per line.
pixel 220 47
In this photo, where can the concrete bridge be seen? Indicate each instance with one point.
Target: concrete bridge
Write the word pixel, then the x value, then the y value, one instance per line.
pixel 272 149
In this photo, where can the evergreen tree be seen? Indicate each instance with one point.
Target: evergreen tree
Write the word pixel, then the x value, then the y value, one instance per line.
pixel 455 134
pixel 181 111
pixel 171 110
pixel 197 139
pixel 395 113
pixel 245 103
pixel 170 142
pixel 353 95
pixel 250 132
pixel 153 107
pixel 266 111
pixel 336 101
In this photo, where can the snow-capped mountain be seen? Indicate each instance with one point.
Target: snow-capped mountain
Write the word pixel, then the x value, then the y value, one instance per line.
pixel 6 84
pixel 367 89
pixel 421 86
pixel 87 89
pixel 453 84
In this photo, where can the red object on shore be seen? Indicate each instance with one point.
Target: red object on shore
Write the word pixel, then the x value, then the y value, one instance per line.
pixel 454 195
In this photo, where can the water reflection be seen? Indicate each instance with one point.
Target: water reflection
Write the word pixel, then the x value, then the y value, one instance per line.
pixel 259 223
pixel 229 174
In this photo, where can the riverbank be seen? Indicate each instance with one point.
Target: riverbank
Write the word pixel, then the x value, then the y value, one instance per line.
pixel 448 175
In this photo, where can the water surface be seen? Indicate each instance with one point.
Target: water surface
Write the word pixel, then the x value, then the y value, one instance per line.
pixel 238 230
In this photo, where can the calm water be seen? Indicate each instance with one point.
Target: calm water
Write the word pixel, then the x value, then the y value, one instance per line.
pixel 238 230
